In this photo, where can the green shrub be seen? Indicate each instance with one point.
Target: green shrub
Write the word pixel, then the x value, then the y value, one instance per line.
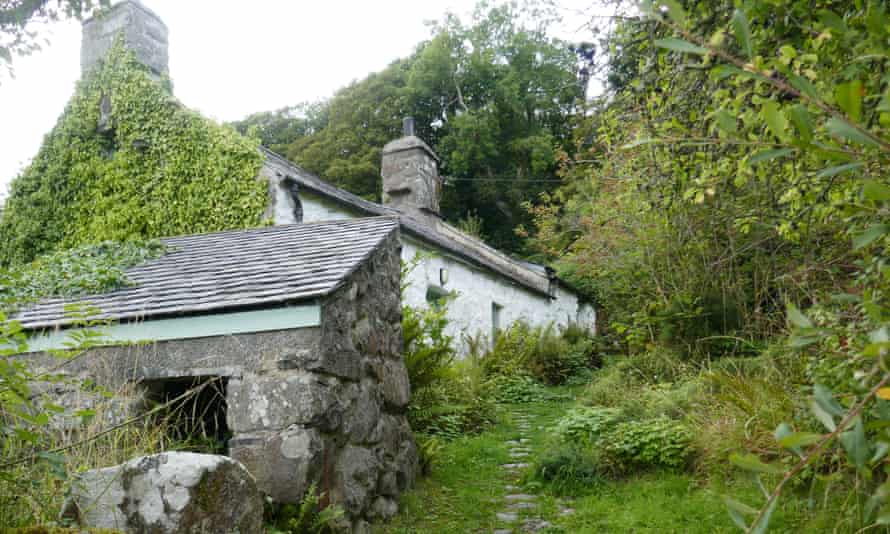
pixel 644 444
pixel 428 351
pixel 585 424
pixel 511 351
pixel 574 333
pixel 308 517
pixel 570 469
pixel 519 389
pixel 549 356
pixel 450 408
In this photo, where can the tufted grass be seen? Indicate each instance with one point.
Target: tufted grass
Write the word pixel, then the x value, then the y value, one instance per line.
pixel 466 489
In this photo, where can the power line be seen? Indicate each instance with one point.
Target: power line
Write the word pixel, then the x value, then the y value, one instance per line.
pixel 448 180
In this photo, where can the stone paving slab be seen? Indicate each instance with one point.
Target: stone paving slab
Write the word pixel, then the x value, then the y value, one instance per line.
pixel 515 466
pixel 507 517
pixel 522 505
pixel 521 497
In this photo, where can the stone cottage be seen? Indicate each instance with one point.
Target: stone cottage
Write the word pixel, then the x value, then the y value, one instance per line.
pixel 489 289
pixel 302 326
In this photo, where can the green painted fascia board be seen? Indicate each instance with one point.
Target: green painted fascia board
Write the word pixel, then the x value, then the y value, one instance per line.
pixel 196 326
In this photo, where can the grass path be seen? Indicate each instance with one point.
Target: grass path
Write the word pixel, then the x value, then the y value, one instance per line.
pixel 469 488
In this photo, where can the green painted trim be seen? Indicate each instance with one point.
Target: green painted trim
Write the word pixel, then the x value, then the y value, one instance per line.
pixel 197 326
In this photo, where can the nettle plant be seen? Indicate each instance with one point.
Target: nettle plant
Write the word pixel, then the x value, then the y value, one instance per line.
pixel 805 95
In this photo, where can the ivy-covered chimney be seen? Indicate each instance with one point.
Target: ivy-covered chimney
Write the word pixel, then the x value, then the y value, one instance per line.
pixel 143 32
pixel 410 171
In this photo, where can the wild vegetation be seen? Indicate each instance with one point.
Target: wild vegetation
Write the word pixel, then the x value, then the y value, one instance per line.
pixel 127 161
pixel 724 202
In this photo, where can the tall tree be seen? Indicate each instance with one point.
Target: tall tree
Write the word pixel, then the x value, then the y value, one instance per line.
pixel 492 97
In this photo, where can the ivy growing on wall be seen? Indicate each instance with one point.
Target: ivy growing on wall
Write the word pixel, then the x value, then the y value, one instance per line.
pixel 83 270
pixel 127 161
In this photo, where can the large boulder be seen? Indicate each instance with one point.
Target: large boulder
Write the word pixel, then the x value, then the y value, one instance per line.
pixel 167 493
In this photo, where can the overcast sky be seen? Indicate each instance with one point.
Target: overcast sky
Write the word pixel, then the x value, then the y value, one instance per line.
pixel 229 59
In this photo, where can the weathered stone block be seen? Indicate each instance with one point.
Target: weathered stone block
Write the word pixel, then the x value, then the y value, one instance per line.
pixel 363 414
pixel 276 401
pixel 171 492
pixel 284 463
pixel 355 477
pixel 394 383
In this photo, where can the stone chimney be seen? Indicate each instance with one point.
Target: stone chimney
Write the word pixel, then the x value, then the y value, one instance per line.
pixel 410 174
pixel 143 32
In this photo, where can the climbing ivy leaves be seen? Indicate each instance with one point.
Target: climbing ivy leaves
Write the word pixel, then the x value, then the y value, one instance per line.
pixel 126 160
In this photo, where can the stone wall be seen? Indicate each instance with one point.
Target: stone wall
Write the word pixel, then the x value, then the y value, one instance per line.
pixel 323 405
pixel 336 417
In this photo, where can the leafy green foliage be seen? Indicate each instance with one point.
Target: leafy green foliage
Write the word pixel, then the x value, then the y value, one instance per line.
pixel 516 389
pixel 654 443
pixel 307 517
pixel 491 97
pixel 127 161
pixel 19 20
pixel 585 424
pixel 541 352
pixel 428 351
pixel 448 398
pixel 84 270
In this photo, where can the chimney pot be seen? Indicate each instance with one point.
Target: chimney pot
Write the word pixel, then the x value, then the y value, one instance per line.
pixel 143 32
pixel 410 172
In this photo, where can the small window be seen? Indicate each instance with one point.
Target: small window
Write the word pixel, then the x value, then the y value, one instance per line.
pixel 495 320
pixel 436 297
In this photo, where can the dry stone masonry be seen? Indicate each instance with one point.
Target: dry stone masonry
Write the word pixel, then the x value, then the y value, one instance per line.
pixel 322 404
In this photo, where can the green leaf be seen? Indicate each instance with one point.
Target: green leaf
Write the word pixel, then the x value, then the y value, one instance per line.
pixel 775 120
pixel 844 130
pixel 749 462
pixel 761 526
pixel 838 169
pixel 675 11
pixel 679 45
pixel 797 318
pixel 869 236
pixel 802 121
pixel 726 121
pixel 742 32
pixel 803 85
pixel 849 98
pixel 737 511
pixel 856 444
pixel 823 416
pixel 833 21
pixel 825 398
pixel 876 192
pixel 766 155
pixel 799 439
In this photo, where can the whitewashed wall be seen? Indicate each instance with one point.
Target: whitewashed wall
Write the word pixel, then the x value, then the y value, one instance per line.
pixel 475 290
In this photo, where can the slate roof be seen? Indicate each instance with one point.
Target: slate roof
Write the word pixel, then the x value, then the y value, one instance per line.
pixel 468 248
pixel 234 269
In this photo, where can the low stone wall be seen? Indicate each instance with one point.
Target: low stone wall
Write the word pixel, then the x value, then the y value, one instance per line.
pixel 323 405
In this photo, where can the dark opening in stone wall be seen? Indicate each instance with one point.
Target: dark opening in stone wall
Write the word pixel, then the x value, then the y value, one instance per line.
pixel 197 421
